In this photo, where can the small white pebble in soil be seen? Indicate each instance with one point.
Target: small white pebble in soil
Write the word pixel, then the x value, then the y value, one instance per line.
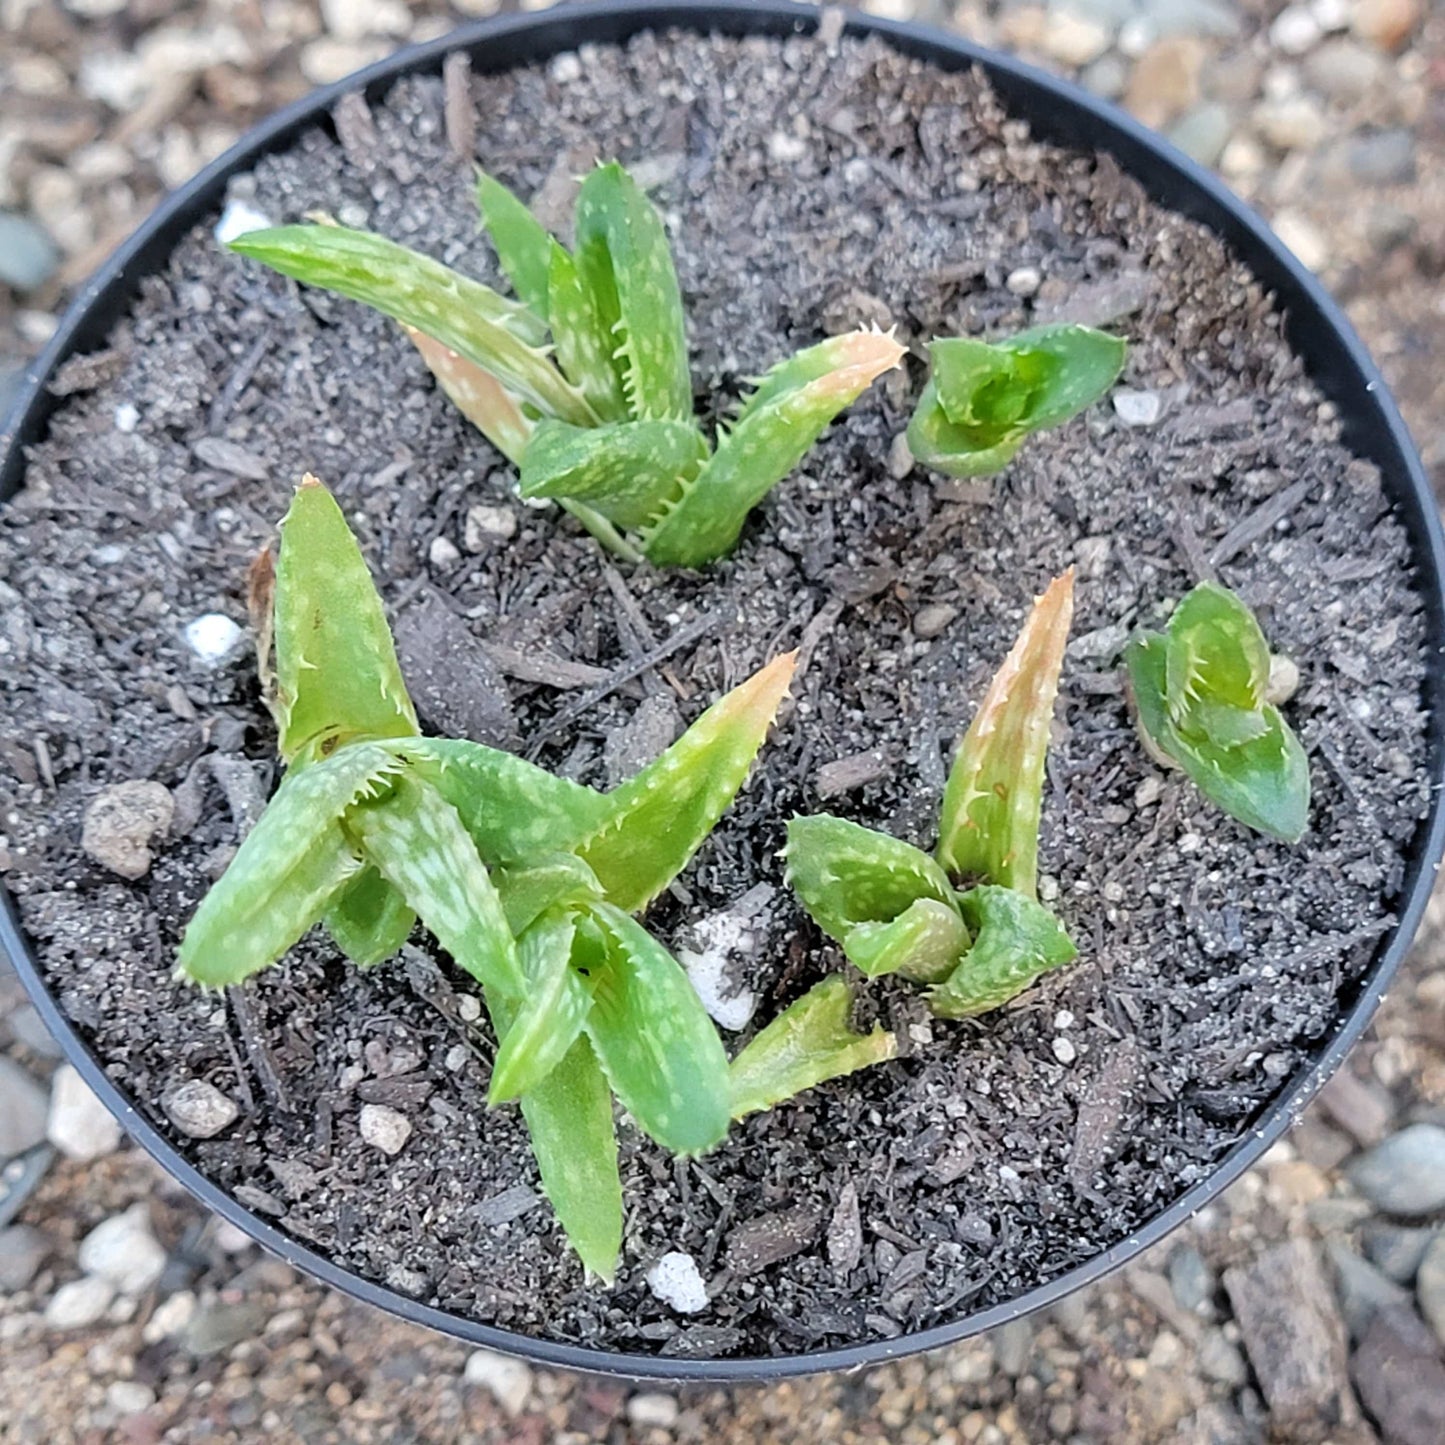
pixel 508 1381
pixel 1064 1019
pixel 566 69
pixel 1283 680
pixel 384 1128
pixel 469 1008
pixel 653 1411
pixel 486 526
pixel 1137 408
pixel 1064 1051
pixel 1024 281
pixel 443 554
pixel 80 1126
pixel 786 149
pixel 127 418
pixel 677 1282
pixel 230 1239
pixel 900 457
pixel 1149 791
pixel 1048 888
pixel 1113 892
pixel 198 1108
pixel 920 1033
pixel 213 637
pixel 1006 1175
pixel 1190 843
pixel 456 1058
pixel 237 219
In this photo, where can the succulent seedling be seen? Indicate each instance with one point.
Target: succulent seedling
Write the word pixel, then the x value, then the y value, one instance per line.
pixel 601 418
pixel 1201 693
pixel 967 922
pixel 528 881
pixel 984 398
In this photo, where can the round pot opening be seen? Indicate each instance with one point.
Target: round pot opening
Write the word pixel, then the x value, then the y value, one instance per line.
pixel 1336 365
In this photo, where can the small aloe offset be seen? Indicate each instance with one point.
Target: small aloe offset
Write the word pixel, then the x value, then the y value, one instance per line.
pixel 599 418
pixel 529 882
pixel 985 398
pixel 1201 693
pixel 896 910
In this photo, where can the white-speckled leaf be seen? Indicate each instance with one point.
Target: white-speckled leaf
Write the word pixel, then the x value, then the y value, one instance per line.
pixel 656 1044
pixel 370 921
pixel 810 1042
pixel 291 867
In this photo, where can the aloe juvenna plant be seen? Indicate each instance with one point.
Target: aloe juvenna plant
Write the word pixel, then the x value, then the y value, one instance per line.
pixel 1200 691
pixel 966 922
pixel 985 398
pixel 601 418
pixel 529 882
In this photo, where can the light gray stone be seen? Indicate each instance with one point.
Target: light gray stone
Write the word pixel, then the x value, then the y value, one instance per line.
pixel 198 1108
pixel 508 1381
pixel 1202 133
pixel 1430 1286
pixel 384 1128
pixel 80 1126
pixel 1362 1289
pixel 653 1410
pixel 1404 1174
pixel 23 1249
pixel 122 821
pixel 1395 1249
pixel 23 1107
pixel 123 1251
pixel 28 257
pixel 80 1303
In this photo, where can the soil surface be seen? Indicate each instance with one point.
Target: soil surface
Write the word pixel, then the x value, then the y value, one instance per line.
pixel 810 188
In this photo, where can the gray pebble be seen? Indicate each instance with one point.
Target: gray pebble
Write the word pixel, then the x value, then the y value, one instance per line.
pixel 1405 1174
pixel 1013 1343
pixel 28 258
pixel 1107 76
pixel 23 1107
pixel 1396 1250
pixel 1430 1286
pixel 1222 1361
pixel 122 821
pixel 218 1326
pixel 198 1108
pixel 1203 132
pixel 1386 158
pixel 80 1126
pixel 653 1410
pixel 80 1303
pixel 384 1128
pixel 1137 408
pixel 1191 1279
pixel 23 1249
pixel 1363 1291
pixel 123 1251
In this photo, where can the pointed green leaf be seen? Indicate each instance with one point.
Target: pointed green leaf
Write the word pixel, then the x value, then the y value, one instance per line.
pixel 1216 667
pixel 416 840
pixel 477 394
pixel 584 341
pixel 768 440
pixel 967 372
pixel 958 451
pixel 1015 940
pixel 370 921
pixel 514 811
pixel 989 827
pixel 847 876
pixel 627 471
pixel 551 1016
pixel 657 820
pixel 1263 782
pixel 1080 365
pixel 291 867
pixel 810 1042
pixel 624 263
pixel 524 246
pixel 499 335
pixel 559 881
pixel 924 943
pixel 569 1118
pixel 337 677
pixel 654 1040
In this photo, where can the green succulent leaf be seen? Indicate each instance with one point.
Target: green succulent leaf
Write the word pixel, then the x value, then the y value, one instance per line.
pixel 472 319
pixel 789 411
pixel 291 868
pixel 370 921
pixel 556 881
pixel 984 398
pixel 337 678
pixel 989 826
pixel 1264 781
pixel 569 1118
pixel 653 1038
pixel 584 341
pixel 958 451
pixel 417 842
pixel 524 245
pixel 810 1042
pixel 514 811
pixel 849 877
pixel 924 943
pixel 625 265
pixel 552 1014
pixel 1216 665
pixel 653 824
pixel 626 470
pixel 1015 941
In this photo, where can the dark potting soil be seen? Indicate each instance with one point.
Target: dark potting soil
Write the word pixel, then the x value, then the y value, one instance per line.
pixel 807 190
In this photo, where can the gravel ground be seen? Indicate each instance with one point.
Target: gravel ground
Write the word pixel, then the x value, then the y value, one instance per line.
pixel 1309 1304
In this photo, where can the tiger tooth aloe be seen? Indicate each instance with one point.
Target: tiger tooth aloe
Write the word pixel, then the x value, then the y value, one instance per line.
pixel 1199 694
pixel 583 381
pixel 529 882
pixel 985 398
pixel 967 923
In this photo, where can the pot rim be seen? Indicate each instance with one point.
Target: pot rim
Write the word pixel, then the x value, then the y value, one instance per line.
pixel 1056 110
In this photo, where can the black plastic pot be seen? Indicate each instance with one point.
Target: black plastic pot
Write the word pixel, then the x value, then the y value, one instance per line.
pixel 1057 111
